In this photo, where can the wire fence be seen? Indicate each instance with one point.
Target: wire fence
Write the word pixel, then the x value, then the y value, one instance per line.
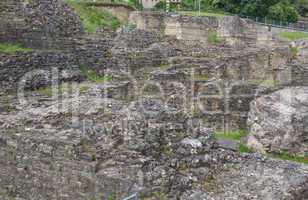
pixel 200 11
pixel 300 26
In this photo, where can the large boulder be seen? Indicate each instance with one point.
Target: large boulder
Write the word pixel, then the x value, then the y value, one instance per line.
pixel 279 122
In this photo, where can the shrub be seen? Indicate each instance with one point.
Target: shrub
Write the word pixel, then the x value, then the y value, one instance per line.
pixel 283 11
pixel 213 38
pixel 244 149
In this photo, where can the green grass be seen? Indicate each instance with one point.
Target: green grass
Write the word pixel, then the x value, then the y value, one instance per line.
pixel 293 35
pixel 202 77
pixel 213 38
pixel 93 76
pixel 12 48
pixel 245 149
pixel 288 157
pixel 233 135
pixel 92 18
pixel 293 51
pixel 268 83
pixel 207 14
pixel 165 66
pixel 45 91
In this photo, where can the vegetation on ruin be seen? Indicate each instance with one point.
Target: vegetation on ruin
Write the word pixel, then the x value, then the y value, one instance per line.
pixel 12 48
pixel 47 91
pixel 231 135
pixel 235 136
pixel 244 148
pixel 293 52
pixel 293 35
pixel 213 38
pixel 288 157
pixel 92 18
pixel 201 77
pixel 93 76
pixel 239 134
pixel 282 10
pixel 165 67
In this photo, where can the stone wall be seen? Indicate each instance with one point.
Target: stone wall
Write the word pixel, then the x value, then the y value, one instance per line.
pixel 234 30
pixel 38 23
pixel 238 32
pixel 93 53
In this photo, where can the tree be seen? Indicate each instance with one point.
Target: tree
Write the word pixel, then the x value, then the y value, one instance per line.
pixel 249 9
pixel 283 11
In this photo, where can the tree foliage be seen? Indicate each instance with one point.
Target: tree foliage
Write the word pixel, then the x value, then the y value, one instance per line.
pixel 283 11
pixel 286 10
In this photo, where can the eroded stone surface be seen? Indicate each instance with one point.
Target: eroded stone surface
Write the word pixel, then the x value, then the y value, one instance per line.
pixel 278 122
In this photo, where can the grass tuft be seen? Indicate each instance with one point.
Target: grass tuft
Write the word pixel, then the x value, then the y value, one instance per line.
pixel 293 35
pixel 47 91
pixel 12 48
pixel 201 77
pixel 233 135
pixel 288 157
pixel 213 38
pixel 93 76
pixel 245 149
pixel 92 18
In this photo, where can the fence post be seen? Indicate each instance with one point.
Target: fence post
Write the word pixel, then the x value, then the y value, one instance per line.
pixel 167 5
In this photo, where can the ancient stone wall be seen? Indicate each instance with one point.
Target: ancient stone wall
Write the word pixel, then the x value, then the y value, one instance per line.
pixel 38 23
pixel 235 31
pixel 92 53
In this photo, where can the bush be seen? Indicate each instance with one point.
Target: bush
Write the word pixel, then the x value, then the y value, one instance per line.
pixel 283 11
pixel 249 9
pixel 213 38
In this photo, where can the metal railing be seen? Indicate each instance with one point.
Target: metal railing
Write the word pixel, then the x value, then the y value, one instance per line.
pixel 299 26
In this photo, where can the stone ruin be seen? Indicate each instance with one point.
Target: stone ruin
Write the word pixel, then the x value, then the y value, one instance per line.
pixel 149 131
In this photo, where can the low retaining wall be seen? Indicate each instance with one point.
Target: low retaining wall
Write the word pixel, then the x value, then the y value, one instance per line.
pixel 235 30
